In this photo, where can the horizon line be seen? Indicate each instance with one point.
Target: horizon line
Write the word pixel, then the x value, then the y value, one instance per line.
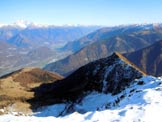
pixel 24 23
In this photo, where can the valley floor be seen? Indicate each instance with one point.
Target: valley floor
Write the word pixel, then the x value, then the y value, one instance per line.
pixel 141 102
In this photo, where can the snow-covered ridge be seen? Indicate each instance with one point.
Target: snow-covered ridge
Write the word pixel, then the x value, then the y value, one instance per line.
pixel 27 24
pixel 22 23
pixel 140 102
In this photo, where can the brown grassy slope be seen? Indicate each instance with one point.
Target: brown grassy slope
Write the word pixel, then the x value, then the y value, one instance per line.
pixel 15 87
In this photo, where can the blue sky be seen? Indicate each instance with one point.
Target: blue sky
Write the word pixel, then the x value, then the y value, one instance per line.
pixel 87 12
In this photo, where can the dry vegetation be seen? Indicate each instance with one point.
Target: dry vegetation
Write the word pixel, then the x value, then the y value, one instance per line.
pixel 15 89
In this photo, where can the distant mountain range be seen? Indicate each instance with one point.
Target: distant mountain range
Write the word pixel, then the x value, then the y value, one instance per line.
pixel 35 36
pixel 26 44
pixel 48 36
pixel 34 45
pixel 123 39
pixel 118 33
pixel 7 32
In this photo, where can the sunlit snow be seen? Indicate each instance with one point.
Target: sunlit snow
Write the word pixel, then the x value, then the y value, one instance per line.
pixel 138 103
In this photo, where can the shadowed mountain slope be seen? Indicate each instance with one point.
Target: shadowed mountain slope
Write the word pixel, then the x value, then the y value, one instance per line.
pixel 148 59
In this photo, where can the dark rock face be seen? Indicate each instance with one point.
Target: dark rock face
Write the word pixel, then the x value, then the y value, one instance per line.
pixel 108 75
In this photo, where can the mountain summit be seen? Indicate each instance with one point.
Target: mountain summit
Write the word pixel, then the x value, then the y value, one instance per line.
pixel 22 23
pixel 108 75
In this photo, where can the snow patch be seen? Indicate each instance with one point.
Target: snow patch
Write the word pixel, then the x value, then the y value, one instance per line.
pixel 54 110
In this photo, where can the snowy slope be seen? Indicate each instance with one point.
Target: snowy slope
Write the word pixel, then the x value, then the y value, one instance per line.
pixel 141 102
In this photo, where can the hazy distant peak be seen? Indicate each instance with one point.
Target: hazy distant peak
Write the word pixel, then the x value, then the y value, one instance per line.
pixel 28 24
pixel 22 23
pixel 1 25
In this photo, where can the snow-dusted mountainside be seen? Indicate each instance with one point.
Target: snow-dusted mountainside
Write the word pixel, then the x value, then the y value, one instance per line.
pixel 109 75
pixel 140 102
pixel 23 37
pixel 107 90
